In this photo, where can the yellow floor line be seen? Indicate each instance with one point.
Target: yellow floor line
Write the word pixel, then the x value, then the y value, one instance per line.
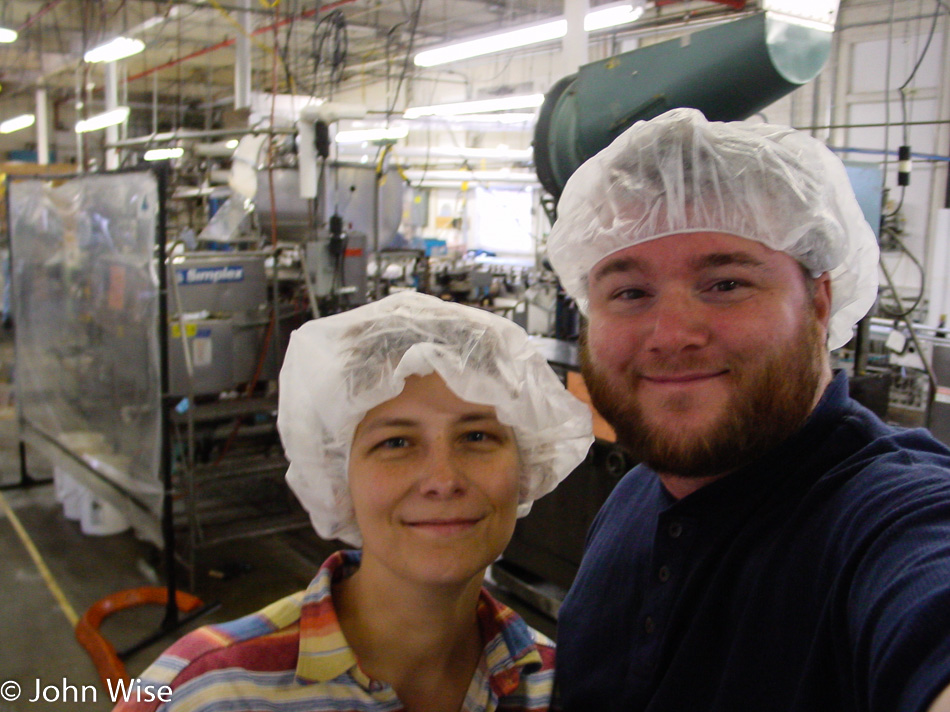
pixel 34 553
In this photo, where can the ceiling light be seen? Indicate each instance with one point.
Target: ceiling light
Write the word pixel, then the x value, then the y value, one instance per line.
pixel 503 176
pixel 509 118
pixel 604 17
pixel 119 48
pixel 361 135
pixel 163 154
pixel 527 101
pixel 598 19
pixel 17 123
pixel 520 37
pixel 232 144
pixel 101 121
pixel 7 35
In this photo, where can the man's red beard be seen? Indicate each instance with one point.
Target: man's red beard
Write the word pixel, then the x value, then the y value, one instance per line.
pixel 770 402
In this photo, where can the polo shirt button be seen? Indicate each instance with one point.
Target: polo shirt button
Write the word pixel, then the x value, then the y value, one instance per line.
pixel 649 625
pixel 664 573
pixel 675 529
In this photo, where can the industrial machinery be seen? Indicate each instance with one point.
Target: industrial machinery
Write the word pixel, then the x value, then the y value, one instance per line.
pixel 151 342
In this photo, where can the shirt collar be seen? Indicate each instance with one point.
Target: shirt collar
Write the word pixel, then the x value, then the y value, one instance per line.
pixel 510 650
pixel 324 654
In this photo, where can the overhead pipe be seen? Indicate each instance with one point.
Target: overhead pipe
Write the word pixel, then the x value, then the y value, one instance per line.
pixel 228 42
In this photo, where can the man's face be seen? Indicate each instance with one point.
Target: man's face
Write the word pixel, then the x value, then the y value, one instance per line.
pixel 704 350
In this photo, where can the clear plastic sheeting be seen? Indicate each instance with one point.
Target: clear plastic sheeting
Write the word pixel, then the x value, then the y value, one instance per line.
pixel 229 223
pixel 85 298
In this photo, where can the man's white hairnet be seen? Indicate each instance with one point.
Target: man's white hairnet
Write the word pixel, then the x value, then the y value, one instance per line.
pixel 680 173
pixel 339 367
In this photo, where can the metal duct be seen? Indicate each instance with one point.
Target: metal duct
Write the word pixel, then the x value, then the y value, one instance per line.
pixel 728 72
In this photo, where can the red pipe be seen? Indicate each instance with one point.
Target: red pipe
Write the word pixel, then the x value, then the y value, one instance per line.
pixel 227 43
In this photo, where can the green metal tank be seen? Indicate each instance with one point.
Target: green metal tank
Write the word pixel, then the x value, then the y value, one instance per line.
pixel 728 72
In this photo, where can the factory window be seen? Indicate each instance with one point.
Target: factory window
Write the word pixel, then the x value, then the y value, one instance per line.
pixel 502 220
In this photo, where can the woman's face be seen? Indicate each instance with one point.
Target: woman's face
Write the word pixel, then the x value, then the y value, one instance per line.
pixel 434 482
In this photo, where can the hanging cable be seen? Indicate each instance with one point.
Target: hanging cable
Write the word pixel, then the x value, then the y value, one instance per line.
pixel 329 44
pixel 407 60
pixel 893 232
pixel 904 157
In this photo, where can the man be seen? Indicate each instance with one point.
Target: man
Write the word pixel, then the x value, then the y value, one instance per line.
pixel 780 548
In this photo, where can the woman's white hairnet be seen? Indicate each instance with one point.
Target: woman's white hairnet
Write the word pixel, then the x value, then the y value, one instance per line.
pixel 339 367
pixel 680 173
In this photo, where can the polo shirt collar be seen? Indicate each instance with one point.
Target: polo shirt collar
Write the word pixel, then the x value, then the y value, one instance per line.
pixel 324 653
pixel 510 650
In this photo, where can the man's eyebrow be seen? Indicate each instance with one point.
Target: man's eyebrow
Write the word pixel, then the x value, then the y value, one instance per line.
pixel 715 259
pixel 377 423
pixel 622 264
pixel 726 259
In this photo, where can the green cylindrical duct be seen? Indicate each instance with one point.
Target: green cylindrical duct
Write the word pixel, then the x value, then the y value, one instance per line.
pixel 728 72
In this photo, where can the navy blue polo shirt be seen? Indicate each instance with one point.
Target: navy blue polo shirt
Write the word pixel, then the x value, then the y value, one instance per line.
pixel 816 579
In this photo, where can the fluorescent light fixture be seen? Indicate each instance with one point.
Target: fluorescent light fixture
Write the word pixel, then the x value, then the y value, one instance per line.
pixel 172 13
pixel 232 144
pixel 502 176
pixel 817 14
pixel 599 19
pixel 163 154
pixel 361 135
pixel 7 35
pixel 101 121
pixel 531 34
pixel 604 17
pixel 17 123
pixel 119 48
pixel 525 101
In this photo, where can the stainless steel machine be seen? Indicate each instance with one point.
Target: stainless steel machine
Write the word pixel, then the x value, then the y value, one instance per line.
pixel 220 307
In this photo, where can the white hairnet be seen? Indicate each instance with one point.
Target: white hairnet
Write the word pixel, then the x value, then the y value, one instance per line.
pixel 339 367
pixel 681 173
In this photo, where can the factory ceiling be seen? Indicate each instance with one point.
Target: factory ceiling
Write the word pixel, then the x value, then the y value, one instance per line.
pixel 190 45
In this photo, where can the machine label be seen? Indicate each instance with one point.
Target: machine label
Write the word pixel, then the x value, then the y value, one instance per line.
pixel 210 275
pixel 201 352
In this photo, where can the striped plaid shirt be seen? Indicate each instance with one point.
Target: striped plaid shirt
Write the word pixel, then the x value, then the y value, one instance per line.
pixel 292 657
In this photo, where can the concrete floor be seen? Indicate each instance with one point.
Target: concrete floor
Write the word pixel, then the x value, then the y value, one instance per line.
pixel 37 642
pixel 36 631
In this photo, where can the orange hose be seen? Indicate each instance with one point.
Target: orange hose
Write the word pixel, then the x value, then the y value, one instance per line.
pixel 102 652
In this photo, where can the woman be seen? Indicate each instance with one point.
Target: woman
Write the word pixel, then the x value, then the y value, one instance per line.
pixel 419 430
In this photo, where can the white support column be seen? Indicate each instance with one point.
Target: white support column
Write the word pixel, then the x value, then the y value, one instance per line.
pixel 575 41
pixel 242 61
pixel 42 127
pixel 112 102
